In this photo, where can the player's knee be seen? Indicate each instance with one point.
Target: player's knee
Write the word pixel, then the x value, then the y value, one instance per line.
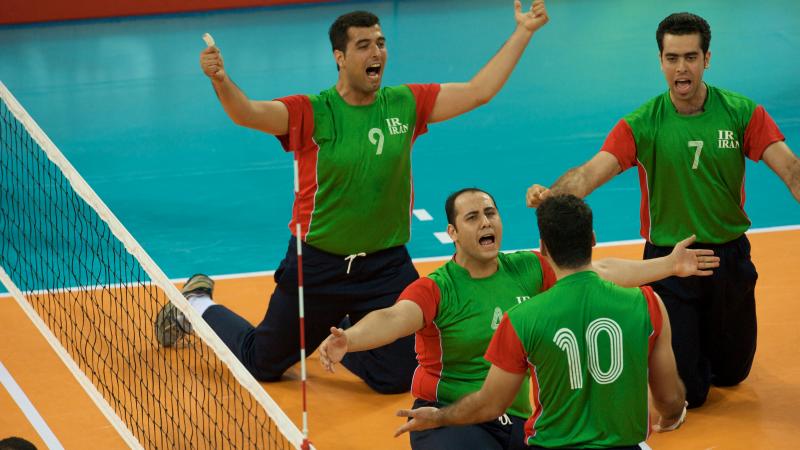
pixel 389 388
pixel 728 381
pixel 696 400
pixel 696 393
pixel 266 373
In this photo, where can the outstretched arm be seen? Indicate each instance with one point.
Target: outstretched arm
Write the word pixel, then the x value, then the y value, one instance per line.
pixel 666 387
pixel 457 98
pixel 268 116
pixel 782 161
pixel 682 262
pixel 579 181
pixel 377 328
pixel 496 394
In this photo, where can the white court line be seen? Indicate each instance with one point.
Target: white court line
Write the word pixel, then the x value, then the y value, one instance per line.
pixel 423 215
pixel 443 237
pixel 50 439
pixel 269 273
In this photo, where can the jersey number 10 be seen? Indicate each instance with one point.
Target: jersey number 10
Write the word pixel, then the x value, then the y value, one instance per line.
pixel 567 341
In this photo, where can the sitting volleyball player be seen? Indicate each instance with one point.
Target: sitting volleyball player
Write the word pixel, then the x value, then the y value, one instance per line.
pixel 589 345
pixel 455 310
pixel 348 178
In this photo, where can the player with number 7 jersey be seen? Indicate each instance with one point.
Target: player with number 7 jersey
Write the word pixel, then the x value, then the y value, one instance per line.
pixel 703 157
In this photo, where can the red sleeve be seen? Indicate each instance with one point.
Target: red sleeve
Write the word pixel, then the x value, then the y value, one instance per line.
pixel 548 274
pixel 621 144
pixel 505 350
pixel 656 319
pixel 301 123
pixel 425 97
pixel 760 133
pixel 425 293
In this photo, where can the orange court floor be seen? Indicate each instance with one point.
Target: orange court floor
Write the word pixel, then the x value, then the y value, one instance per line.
pixel 761 413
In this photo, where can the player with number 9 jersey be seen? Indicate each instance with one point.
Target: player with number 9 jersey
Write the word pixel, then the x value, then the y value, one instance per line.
pixel 354 164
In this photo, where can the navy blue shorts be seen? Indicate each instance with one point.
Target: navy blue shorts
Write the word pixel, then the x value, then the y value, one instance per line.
pixel 374 281
pixel 504 433
pixel 713 319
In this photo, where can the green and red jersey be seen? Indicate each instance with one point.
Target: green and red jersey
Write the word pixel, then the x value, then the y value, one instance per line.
pixel 691 168
pixel 586 343
pixel 460 315
pixel 354 166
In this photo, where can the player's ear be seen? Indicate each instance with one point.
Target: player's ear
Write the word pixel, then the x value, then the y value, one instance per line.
pixel 338 56
pixel 452 232
pixel 594 238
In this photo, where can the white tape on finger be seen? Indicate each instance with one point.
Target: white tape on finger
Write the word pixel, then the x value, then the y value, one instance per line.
pixel 208 39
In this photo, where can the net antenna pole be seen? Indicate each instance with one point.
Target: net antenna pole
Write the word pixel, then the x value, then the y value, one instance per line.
pixel 295 138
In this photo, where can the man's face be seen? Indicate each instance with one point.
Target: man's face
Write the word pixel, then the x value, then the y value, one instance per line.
pixel 363 61
pixel 683 63
pixel 478 230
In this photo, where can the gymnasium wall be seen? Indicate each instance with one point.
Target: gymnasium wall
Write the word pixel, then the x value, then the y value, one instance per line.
pixel 28 11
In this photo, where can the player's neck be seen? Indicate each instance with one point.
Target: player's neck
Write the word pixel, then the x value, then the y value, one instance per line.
pixel 476 268
pixel 692 106
pixel 563 272
pixel 353 96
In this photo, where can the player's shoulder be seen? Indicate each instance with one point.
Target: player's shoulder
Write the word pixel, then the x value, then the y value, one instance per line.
pixel 519 261
pixel 733 100
pixel 648 111
pixel 443 275
pixel 396 93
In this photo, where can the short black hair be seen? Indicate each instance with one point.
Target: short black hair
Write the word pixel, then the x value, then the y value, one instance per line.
pixel 338 30
pixel 565 227
pixel 683 23
pixel 450 203
pixel 16 443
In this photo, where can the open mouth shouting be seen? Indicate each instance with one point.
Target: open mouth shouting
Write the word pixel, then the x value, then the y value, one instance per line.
pixel 683 86
pixel 374 71
pixel 487 241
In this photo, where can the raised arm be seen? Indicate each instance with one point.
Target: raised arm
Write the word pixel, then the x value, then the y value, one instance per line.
pixel 682 262
pixel 496 394
pixel 268 116
pixel 782 161
pixel 669 395
pixel 457 98
pixel 377 328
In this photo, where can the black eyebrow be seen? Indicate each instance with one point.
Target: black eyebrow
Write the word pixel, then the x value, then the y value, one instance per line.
pixel 692 53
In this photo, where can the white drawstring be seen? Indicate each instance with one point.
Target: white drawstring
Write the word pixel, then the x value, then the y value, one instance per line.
pixel 351 258
pixel 504 419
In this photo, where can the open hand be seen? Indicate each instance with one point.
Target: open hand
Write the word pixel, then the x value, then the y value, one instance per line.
pixel 689 262
pixel 333 349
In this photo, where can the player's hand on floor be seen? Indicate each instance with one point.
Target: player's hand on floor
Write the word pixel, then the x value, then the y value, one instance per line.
pixel 663 425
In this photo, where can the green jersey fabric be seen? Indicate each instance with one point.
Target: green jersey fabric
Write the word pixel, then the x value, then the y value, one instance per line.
pixel 460 314
pixel 354 166
pixel 586 342
pixel 691 167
